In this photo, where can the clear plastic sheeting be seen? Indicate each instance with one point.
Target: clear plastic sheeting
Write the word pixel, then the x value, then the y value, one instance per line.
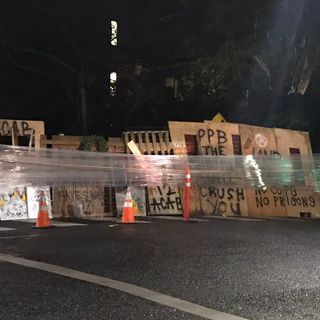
pixel 24 166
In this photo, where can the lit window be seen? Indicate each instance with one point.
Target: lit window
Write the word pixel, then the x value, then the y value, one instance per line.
pixel 114 33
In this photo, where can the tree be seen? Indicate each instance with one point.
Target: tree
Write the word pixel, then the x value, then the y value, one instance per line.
pixel 65 42
pixel 242 58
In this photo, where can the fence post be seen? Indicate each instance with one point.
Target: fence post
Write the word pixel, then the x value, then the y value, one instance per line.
pixel 186 207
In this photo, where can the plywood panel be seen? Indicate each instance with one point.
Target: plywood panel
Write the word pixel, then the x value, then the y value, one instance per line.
pixel 216 139
pixel 126 141
pixel 142 144
pixel 221 200
pixel 221 140
pixel 22 128
pixel 78 200
pixel 316 213
pixel 164 200
pixel 62 204
pixel 258 140
pixel 301 200
pixel 287 139
pixel 228 201
pixel 283 201
pixel 299 140
pixel 116 145
pixel 195 203
pixel 266 203
pixel 155 146
pixel 67 142
pixel 213 138
pixel 178 130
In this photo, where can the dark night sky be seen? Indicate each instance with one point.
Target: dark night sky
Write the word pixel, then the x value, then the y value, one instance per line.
pixel 52 52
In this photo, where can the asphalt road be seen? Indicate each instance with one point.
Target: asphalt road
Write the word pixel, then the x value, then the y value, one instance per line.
pixel 266 269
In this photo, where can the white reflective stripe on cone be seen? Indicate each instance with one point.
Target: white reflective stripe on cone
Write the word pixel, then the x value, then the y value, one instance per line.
pixel 128 204
pixel 128 196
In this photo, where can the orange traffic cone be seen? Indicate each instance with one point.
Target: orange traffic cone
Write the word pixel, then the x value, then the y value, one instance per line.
pixel 128 211
pixel 43 220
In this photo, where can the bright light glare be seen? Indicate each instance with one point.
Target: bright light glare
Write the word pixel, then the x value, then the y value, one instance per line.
pixel 114 33
pixel 251 162
pixel 113 77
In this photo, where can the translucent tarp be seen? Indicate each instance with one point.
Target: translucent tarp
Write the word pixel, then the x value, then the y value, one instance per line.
pixel 24 166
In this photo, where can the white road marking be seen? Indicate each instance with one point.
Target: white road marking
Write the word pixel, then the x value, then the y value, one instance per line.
pixel 55 223
pixel 66 224
pixel 135 222
pixel 290 219
pixel 6 229
pixel 62 224
pixel 116 220
pixel 234 218
pixel 147 294
pixel 107 219
pixel 26 220
pixel 176 218
pixel 23 236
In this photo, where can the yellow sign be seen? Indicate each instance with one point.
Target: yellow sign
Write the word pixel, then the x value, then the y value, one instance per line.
pixel 218 118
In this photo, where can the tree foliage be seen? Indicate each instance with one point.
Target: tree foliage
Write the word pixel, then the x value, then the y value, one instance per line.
pixel 252 60
pixel 93 143
pixel 62 43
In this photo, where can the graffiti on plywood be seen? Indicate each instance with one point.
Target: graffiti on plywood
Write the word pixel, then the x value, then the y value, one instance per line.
pixel 213 142
pixel 13 203
pixel 284 197
pixel 261 140
pixel 223 201
pixel 165 200
pixel 33 196
pixel 21 128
